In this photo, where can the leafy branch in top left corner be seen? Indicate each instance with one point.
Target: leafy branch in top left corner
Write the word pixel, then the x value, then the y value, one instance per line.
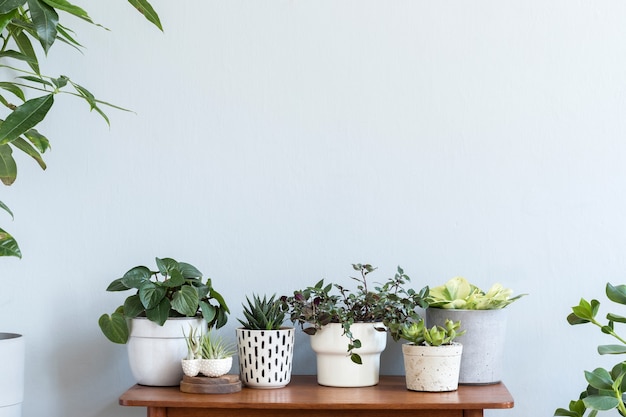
pixel 24 24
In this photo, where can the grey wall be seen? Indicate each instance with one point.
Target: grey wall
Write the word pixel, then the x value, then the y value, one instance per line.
pixel 277 142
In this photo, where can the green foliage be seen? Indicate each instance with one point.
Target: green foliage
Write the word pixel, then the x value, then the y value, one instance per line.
pixel 194 345
pixel 24 24
pixel 390 303
pixel 215 347
pixel 605 389
pixel 263 314
pixel 175 290
pixel 417 333
pixel 458 293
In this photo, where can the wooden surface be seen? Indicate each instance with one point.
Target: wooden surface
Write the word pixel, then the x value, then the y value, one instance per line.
pixel 303 397
pixel 225 384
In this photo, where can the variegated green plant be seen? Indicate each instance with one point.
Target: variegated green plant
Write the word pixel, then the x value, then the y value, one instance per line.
pixel 459 293
pixel 28 28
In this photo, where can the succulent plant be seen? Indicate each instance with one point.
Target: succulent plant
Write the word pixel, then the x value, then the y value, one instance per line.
pixel 263 313
pixel 417 333
pixel 215 347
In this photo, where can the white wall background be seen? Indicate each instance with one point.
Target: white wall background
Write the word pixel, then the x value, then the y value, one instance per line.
pixel 277 142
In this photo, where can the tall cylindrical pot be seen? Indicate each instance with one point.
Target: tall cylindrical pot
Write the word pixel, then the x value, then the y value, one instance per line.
pixel 12 359
pixel 483 342
pixel 265 357
pixel 432 368
pixel 334 366
pixel 155 352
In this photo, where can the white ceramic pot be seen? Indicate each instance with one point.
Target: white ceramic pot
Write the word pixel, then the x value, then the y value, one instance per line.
pixel 265 357
pixel 12 359
pixel 334 366
pixel 191 367
pixel 216 367
pixel 432 368
pixel 155 352
pixel 483 342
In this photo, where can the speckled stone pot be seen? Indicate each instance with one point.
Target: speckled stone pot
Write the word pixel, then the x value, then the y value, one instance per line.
pixel 432 368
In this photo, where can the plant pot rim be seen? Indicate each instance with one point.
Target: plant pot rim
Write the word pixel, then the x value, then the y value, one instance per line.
pixel 466 309
pixel 265 330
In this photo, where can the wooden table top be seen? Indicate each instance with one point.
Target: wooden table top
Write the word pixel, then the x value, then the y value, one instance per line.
pixel 303 392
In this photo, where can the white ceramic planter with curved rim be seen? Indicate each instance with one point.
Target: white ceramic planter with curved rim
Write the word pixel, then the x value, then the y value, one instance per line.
pixel 334 366
pixel 12 359
pixel 155 352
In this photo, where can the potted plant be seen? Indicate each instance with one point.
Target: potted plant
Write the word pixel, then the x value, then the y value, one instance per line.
pixel 432 360
pixel 348 328
pixel 165 301
pixel 484 317
pixel 605 387
pixel 264 345
pixel 217 355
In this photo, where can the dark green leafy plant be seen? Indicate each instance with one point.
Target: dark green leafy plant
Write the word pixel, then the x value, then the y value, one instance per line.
pixel 179 292
pixel 605 389
pixel 417 333
pixel 390 304
pixel 263 314
pixel 26 26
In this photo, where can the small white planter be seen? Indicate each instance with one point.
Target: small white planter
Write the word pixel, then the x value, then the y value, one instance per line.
pixel 216 367
pixel 155 352
pixel 191 367
pixel 12 359
pixel 265 357
pixel 483 342
pixel 334 366
pixel 432 368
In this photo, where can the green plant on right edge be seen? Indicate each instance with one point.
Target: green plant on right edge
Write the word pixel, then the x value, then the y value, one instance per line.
pixel 605 389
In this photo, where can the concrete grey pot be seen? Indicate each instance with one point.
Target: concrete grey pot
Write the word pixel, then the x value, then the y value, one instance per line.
pixel 483 343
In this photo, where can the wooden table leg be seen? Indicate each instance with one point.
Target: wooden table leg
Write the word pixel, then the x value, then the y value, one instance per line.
pixel 473 413
pixel 157 412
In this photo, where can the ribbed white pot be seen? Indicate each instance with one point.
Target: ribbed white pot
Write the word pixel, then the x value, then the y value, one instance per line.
pixel 155 352
pixel 483 342
pixel 265 357
pixel 334 366
pixel 432 368
pixel 12 359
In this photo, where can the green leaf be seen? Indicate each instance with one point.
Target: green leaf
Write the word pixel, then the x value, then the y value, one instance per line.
pixel 160 313
pixel 133 306
pixel 37 80
pixel 6 208
pixel 218 297
pixel 617 293
pixel 16 90
pixel 6 18
pixel 16 55
pixel 8 167
pixel 25 117
pixel 611 349
pixel 356 358
pixel 599 379
pixel 151 294
pixel 8 245
pixel 146 9
pixel 601 402
pixel 118 285
pixel 45 19
pixel 9 5
pixel 185 301
pixel 135 277
pixel 38 140
pixel 176 279
pixel 69 8
pixel 208 311
pixel 166 265
pixel 27 148
pixel 114 327
pixel 23 43
pixel 189 271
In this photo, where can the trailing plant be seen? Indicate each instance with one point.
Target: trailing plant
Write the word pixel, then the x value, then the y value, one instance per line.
pixel 215 347
pixel 27 28
pixel 174 290
pixel 417 333
pixel 390 304
pixel 605 388
pixel 263 314
pixel 459 293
